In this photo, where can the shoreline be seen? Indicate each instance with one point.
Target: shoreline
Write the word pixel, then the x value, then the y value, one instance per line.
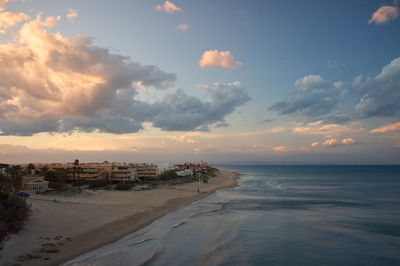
pixel 95 234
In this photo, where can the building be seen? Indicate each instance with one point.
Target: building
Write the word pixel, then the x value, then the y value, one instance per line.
pixel 34 183
pixel 146 171
pixel 123 172
pixel 3 168
pixel 186 172
pixel 114 171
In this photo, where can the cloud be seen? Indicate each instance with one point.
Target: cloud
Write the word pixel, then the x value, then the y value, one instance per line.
pixel 51 83
pixel 321 128
pixel 267 120
pixel 384 15
pixel 72 13
pixel 208 148
pixel 334 142
pixel 9 19
pixel 182 27
pixel 168 7
pixel 312 96
pixel 388 128
pixel 180 111
pixel 283 148
pixel 217 58
pixel 340 118
pixel 52 79
pixel 221 124
pixel 3 4
pixel 315 144
pixel 380 95
pixel 334 65
pixel 184 139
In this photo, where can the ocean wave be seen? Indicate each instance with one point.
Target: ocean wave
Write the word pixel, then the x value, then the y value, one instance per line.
pixel 140 242
pixel 178 224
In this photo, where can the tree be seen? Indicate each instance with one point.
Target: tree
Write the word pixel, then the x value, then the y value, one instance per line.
pixel 30 168
pixel 6 187
pixel 75 169
pixel 44 170
pixel 16 178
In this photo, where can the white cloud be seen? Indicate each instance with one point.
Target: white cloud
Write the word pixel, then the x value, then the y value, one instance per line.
pixel 384 14
pixel 217 58
pixel 168 7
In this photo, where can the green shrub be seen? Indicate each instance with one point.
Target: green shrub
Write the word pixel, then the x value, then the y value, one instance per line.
pixel 99 183
pixel 13 213
pixel 170 174
pixel 123 186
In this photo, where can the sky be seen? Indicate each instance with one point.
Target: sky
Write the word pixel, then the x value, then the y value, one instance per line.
pixel 224 81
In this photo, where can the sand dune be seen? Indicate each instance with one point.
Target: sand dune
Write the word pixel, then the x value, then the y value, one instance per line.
pixel 83 223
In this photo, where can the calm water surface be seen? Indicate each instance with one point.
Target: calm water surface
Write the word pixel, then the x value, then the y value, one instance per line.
pixel 279 215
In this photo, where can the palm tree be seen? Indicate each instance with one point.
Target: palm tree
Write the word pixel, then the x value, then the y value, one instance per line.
pixel 75 168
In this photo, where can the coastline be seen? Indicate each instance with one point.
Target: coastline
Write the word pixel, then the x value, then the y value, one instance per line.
pixel 107 217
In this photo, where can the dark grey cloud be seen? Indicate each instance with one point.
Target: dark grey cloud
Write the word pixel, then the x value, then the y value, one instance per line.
pixel 27 127
pixel 222 124
pixel 313 96
pixel 180 111
pixel 267 120
pixel 380 95
pixel 109 124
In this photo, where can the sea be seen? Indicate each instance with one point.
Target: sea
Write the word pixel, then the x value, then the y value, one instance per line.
pixel 278 215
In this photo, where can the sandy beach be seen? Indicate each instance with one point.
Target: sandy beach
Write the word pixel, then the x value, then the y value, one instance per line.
pixel 75 225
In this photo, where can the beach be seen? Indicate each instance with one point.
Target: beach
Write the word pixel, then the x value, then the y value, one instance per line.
pixel 75 225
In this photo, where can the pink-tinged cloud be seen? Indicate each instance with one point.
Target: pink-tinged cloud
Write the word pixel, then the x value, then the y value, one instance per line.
pixel 334 142
pixel 348 141
pixel 315 144
pixel 182 27
pixel 320 128
pixel 384 15
pixel 168 7
pixel 217 58
pixel 283 148
pixel 72 14
pixel 387 128
pixel 49 82
pixel 184 139
pixel 3 4
pixel 9 19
